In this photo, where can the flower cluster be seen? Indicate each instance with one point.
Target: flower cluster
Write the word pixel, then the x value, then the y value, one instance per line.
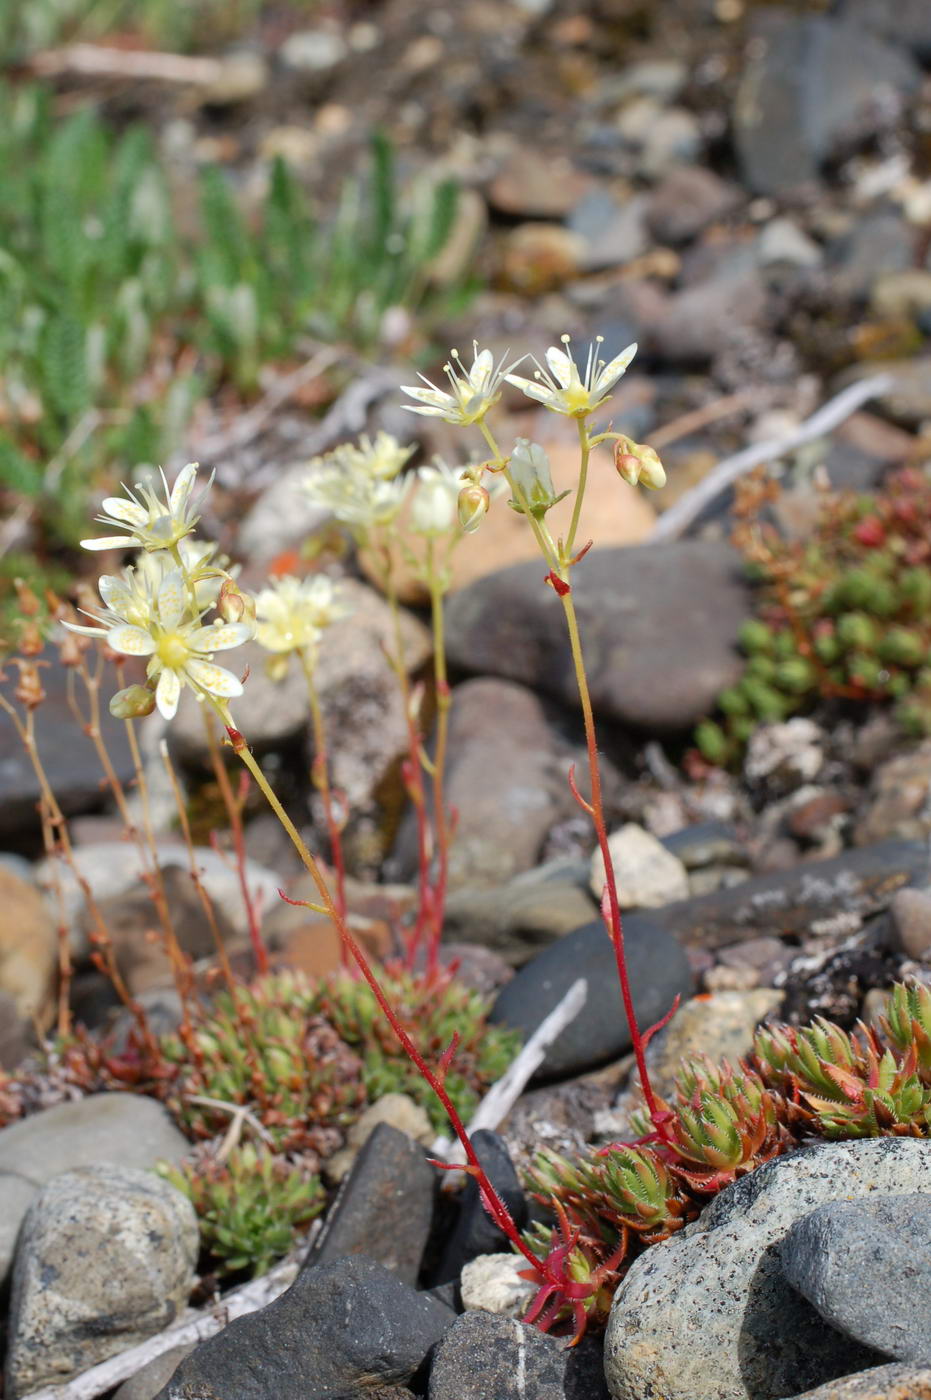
pixel 156 608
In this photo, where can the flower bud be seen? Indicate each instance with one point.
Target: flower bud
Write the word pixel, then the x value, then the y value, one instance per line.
pixel 233 605
pixel 134 702
pixel 638 464
pixel 532 479
pixel 29 689
pixel 28 602
pixel 472 506
pixel 30 641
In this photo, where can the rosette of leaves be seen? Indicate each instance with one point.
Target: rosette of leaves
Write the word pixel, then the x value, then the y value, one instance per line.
pixel 263 1047
pixel 843 614
pixel 249 1204
pixel 433 1009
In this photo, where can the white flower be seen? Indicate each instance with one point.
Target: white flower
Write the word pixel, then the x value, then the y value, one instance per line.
pixel 529 470
pixel 137 622
pixel 354 497
pixel 382 458
pixel 561 387
pixel 291 613
pixel 147 520
pixel 435 507
pixel 471 392
pixel 205 569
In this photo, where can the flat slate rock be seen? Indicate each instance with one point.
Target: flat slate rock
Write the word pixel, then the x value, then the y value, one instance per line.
pixel 341 1326
pixel 384 1207
pixel 658 969
pixel 659 626
pixel 475 1232
pixel 866 1266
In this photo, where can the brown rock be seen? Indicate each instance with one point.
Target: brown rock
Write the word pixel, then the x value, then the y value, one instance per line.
pixel 538 258
pixel 28 948
pixel 910 925
pixel 894 1382
pixel 14 1033
pixel 537 185
pixel 686 201
pixel 314 947
pixel 813 819
pixel 897 803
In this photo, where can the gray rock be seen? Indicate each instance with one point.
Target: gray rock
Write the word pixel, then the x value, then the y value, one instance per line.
pixel 686 201
pixel 68 756
pixel 782 241
pixel 384 1207
pixel 804 899
pixel 647 873
pixel 658 973
pixel 711 1314
pixel 897 801
pixel 474 1232
pixel 866 1266
pixel 515 919
pixel 910 922
pixel 894 1382
pixel 343 1325
pixel 909 23
pixel 506 781
pixel 281 518
pixel 702 321
pixel 146 1384
pixel 122 1129
pixel 877 245
pixel 908 401
pixel 612 233
pixel 659 628
pixel 106 1258
pixel 813 88
pixel 483 1356
pixel 706 843
pixel 313 50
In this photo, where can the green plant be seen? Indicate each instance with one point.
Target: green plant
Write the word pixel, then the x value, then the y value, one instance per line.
pixel 250 1204
pixel 799 1085
pixel 436 1009
pixel 843 614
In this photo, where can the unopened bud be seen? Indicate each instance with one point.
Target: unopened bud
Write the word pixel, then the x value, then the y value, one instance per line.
pixel 134 702
pixel 532 478
pixel 28 602
pixel 637 463
pixel 29 690
pixel 30 641
pixel 473 507
pixel 233 605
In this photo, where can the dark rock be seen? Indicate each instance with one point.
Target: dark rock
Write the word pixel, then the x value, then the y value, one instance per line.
pixel 866 1266
pixel 686 201
pixel 505 778
pixel 340 1326
pixel 68 756
pixel 804 899
pixel 483 1356
pixel 813 89
pixel 475 1232
pixel 701 322
pixel 882 242
pixel 146 1384
pixel 658 972
pixel 384 1207
pixel 894 1382
pixel 659 628
pixel 706 843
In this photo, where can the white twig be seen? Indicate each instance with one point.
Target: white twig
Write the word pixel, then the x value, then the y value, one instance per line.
pixel 98 61
pixel 502 1096
pixel 247 1299
pixel 678 517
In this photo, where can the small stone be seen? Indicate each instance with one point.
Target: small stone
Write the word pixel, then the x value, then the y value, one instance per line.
pixel 475 1233
pixel 492 1283
pixel 658 972
pixel 313 50
pixel 28 948
pixel 384 1207
pixel 897 803
pixel 399 1111
pixel 533 185
pixel 910 923
pixel 706 843
pixel 483 1356
pixel 699 322
pixel 902 295
pixel 516 920
pixel 613 233
pixel 785 755
pixel 818 815
pixel 541 257
pixel 782 241
pixel 866 1266
pixel 106 1258
pixel 686 201
pixel 647 874
pixel 674 138
pixel 242 77
pixel 300 1347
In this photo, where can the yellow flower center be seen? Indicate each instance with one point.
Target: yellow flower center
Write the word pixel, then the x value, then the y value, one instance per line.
pixel 577 398
pixel 172 651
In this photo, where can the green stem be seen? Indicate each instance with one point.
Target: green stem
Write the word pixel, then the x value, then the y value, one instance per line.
pixel 321 778
pixel 443 704
pixel 585 449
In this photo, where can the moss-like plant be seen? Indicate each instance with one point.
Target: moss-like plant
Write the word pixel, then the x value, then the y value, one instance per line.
pixel 436 1009
pixel 799 1085
pixel 843 614
pixel 249 1204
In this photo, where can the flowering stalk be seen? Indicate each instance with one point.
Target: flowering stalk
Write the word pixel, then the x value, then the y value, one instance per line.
pixel 321 780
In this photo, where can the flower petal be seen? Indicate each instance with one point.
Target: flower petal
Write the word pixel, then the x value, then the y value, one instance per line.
pixel 214 638
pixel 613 371
pixel 85 631
pixel 172 599
pixel 427 412
pixel 561 366
pixel 435 397
pixel 130 641
pixel 128 512
pixel 541 392
pixel 109 542
pixel 215 679
pixel 184 484
pixel 167 692
pixel 481 371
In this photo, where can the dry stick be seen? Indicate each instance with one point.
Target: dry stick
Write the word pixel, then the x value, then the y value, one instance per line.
pixel 241 1301
pixel 678 517
pixel 697 418
pixel 99 61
